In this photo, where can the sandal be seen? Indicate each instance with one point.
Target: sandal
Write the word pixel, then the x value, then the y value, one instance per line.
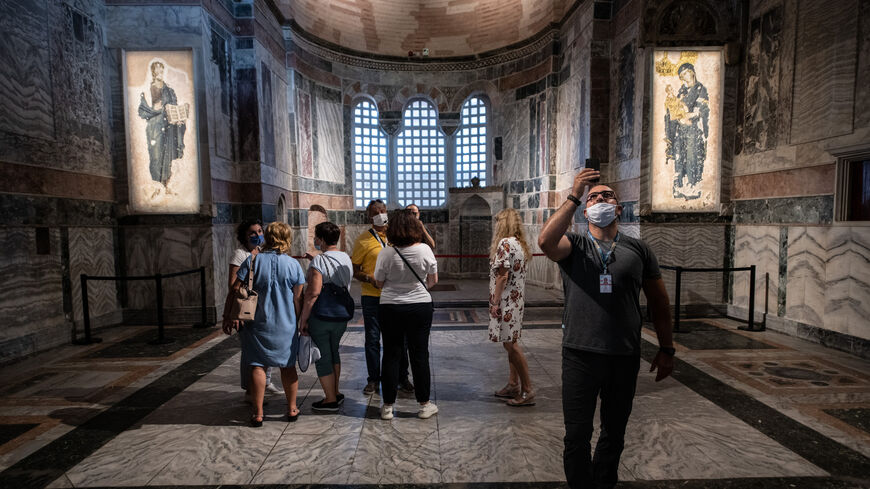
pixel 293 417
pixel 256 420
pixel 508 391
pixel 524 399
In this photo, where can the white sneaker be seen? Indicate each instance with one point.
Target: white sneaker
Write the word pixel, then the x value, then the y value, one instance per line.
pixel 427 410
pixel 273 390
pixel 387 411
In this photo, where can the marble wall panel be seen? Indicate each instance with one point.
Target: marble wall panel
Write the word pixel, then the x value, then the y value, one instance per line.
pixel 689 245
pixel 805 286
pixel 92 252
pixel 847 289
pixel 33 307
pixel 218 73
pixel 304 134
pixel 151 250
pixel 225 244
pixel 25 66
pixel 570 119
pixel 759 246
pixel 330 141
pixel 624 134
pixel 515 124
pixel 824 79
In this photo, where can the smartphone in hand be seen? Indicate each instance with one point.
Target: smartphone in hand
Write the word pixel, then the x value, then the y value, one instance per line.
pixel 594 164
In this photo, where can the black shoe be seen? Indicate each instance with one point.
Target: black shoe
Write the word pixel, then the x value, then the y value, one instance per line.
pixel 256 421
pixel 339 399
pixel 322 405
pixel 406 386
pixel 370 388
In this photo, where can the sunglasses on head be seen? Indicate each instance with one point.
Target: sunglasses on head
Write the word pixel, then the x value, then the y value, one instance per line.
pixel 607 194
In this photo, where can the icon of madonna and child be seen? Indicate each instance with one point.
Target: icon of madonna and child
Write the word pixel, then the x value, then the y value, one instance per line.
pixel 687 128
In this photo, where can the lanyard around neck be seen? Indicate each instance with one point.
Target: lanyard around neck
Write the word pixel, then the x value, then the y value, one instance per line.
pixel 378 237
pixel 604 257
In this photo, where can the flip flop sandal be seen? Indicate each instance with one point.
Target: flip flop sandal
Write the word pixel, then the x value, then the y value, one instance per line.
pixel 526 400
pixel 507 392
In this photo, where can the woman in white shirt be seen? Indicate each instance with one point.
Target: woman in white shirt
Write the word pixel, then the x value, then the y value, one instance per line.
pixel 405 309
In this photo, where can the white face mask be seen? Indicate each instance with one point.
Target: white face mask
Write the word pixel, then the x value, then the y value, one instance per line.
pixel 601 214
pixel 380 219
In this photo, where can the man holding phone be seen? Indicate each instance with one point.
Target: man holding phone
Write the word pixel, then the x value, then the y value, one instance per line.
pixel 602 274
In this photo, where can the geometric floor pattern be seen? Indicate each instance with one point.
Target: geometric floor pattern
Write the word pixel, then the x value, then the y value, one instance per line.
pixel 767 411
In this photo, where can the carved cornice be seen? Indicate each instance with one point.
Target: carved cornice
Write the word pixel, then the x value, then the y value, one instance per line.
pixel 382 63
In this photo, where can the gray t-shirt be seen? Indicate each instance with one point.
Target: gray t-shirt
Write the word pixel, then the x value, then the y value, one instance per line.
pixel 602 322
pixel 334 266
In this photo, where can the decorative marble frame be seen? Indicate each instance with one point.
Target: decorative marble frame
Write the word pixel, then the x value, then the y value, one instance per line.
pixel 137 166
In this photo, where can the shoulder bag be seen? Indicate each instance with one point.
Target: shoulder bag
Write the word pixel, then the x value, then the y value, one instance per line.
pixel 412 268
pixel 334 302
pixel 245 302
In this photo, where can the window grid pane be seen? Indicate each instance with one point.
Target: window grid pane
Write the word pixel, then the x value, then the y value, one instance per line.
pixel 370 156
pixel 471 144
pixel 421 167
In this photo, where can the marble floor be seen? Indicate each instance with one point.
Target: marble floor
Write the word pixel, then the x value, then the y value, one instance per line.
pixel 741 410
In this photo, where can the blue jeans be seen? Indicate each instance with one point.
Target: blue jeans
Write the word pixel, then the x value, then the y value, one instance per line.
pixel 585 377
pixel 373 341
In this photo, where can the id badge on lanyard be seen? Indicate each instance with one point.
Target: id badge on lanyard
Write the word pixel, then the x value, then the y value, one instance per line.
pixel 605 283
pixel 605 280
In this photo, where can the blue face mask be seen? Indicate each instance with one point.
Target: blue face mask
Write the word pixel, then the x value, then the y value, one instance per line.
pixel 256 240
pixel 317 246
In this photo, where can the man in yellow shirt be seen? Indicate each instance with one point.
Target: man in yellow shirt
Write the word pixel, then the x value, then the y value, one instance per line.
pixel 365 254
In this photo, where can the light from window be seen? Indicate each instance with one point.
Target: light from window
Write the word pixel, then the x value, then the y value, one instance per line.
pixel 370 155
pixel 471 143
pixel 420 160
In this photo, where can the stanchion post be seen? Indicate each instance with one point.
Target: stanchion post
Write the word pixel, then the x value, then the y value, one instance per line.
pixel 202 312
pixel 160 333
pixel 751 323
pixel 766 295
pixel 677 300
pixel 86 312
pixel 86 316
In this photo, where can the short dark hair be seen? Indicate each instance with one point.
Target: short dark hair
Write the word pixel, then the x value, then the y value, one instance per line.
pixel 327 232
pixel 404 229
pixel 375 203
pixel 242 230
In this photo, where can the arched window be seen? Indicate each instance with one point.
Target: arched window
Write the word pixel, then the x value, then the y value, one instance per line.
pixel 471 143
pixel 370 167
pixel 420 154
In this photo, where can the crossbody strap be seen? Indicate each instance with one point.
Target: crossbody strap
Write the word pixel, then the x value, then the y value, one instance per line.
pixel 251 273
pixel 378 238
pixel 412 268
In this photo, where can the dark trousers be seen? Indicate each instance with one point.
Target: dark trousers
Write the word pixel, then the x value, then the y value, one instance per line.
pixel 372 328
pixel 585 377
pixel 401 323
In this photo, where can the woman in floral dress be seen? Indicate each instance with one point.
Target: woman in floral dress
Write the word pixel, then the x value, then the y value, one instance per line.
pixel 507 283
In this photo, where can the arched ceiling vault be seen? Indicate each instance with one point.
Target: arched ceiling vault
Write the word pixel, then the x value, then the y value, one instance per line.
pixel 447 28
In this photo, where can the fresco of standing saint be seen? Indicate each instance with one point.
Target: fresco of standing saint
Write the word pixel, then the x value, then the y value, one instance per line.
pixel 165 140
pixel 163 167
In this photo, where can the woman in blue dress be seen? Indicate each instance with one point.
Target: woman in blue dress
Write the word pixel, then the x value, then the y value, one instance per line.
pixel 269 340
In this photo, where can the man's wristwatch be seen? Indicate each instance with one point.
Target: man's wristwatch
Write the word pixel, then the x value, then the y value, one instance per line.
pixel 575 200
pixel 668 350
